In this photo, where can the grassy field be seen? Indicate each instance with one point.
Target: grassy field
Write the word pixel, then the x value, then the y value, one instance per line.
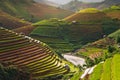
pixel 116 67
pixel 89 10
pixel 109 70
pixel 115 34
pixel 96 75
pixel 106 74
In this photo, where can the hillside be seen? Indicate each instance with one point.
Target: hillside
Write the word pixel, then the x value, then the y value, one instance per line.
pixel 54 33
pixel 47 2
pixel 115 35
pixel 94 17
pixel 113 11
pixel 11 22
pixel 16 24
pixel 31 11
pixel 107 40
pixel 87 15
pixel 30 55
pixel 72 32
pixel 107 70
pixel 78 5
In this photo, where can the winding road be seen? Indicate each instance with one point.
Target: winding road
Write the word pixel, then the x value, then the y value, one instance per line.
pixel 74 59
pixel 79 61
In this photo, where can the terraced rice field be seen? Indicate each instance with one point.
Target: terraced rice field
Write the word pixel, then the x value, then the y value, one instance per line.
pixel 86 17
pixel 30 54
pixel 109 70
pixel 96 73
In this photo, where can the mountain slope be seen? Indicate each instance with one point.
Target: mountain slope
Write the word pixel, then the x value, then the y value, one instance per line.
pixel 47 2
pixel 30 10
pixel 10 22
pixel 75 30
pixel 86 15
pixel 30 55
pixel 108 3
pixel 109 70
pixel 113 11
pixel 77 5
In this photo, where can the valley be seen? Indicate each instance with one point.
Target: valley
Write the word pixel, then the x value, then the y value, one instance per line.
pixel 41 40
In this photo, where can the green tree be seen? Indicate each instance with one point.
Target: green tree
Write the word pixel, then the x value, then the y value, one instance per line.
pixel 12 73
pixel 89 62
pixel 111 49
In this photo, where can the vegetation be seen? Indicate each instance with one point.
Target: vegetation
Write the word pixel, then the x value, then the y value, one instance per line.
pixel 89 10
pixel 113 12
pixel 29 10
pixel 112 8
pixel 111 49
pixel 11 22
pixel 72 33
pixel 115 67
pixel 97 72
pixel 34 60
pixel 34 56
pixel 116 36
pixel 12 73
pixel 107 70
pixel 106 75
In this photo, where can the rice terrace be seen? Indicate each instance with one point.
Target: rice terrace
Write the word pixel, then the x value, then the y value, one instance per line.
pixel 59 40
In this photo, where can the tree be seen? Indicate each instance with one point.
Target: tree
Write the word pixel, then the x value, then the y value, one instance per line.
pixel 89 62
pixel 12 73
pixel 111 49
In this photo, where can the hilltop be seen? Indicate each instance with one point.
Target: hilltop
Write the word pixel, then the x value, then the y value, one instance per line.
pixel 87 15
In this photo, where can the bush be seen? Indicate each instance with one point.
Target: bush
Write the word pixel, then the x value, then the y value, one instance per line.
pixel 111 49
pixel 12 73
pixel 89 62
